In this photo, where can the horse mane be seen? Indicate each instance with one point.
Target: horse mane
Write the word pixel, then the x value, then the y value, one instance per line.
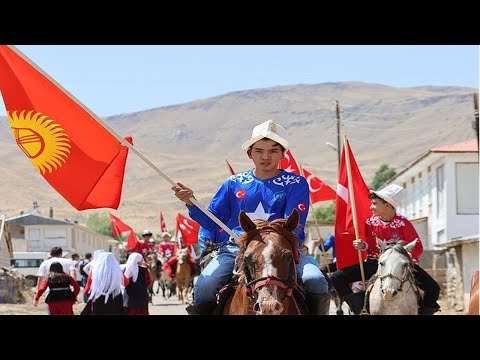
pixel 397 245
pixel 246 237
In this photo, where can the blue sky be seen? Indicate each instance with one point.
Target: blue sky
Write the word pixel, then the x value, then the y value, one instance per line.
pixel 116 79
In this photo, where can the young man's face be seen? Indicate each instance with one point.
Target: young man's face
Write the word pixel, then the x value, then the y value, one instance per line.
pixel 379 207
pixel 266 154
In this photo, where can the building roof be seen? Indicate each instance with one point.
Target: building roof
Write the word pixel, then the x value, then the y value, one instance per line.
pixel 466 146
pixel 463 147
pixel 30 219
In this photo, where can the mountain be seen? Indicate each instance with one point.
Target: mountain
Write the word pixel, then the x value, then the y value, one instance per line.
pixel 189 142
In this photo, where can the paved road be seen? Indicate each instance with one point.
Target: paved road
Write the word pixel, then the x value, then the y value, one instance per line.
pixel 166 307
pixel 173 307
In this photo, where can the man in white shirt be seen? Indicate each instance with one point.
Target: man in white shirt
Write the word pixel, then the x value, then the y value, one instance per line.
pixel 55 256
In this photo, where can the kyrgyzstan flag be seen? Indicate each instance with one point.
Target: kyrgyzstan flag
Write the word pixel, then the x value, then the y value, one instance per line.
pixel 289 164
pixel 163 225
pixel 344 228
pixel 188 228
pixel 75 154
pixel 319 191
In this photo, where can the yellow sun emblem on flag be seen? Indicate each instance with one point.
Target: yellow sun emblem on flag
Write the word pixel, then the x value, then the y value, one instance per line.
pixel 42 140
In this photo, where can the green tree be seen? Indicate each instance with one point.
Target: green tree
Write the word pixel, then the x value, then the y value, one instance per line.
pixel 100 223
pixel 384 173
pixel 326 213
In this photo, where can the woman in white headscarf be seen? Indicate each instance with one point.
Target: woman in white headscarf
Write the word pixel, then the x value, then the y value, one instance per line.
pixel 137 288
pixel 104 285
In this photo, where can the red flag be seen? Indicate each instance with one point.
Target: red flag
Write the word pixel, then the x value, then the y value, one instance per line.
pixel 75 154
pixel 230 167
pixel 132 239
pixel 319 191
pixel 163 226
pixel 289 164
pixel 344 229
pixel 118 226
pixel 188 228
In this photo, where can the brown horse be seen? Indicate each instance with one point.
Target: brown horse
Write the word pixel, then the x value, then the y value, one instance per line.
pixel 155 273
pixel 266 268
pixel 183 275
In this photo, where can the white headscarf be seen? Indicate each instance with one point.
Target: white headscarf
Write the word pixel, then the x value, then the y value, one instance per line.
pixel 107 277
pixel 87 268
pixel 132 266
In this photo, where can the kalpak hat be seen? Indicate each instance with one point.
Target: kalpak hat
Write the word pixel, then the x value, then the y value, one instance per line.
pixel 269 130
pixel 393 194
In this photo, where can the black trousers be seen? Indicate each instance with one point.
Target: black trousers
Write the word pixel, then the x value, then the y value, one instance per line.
pixel 431 289
pixel 341 280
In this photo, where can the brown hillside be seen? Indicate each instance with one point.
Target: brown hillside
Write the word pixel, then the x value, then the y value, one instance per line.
pixel 190 141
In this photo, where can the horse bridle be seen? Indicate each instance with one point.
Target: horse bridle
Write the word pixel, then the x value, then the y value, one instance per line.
pixel 407 276
pixel 254 285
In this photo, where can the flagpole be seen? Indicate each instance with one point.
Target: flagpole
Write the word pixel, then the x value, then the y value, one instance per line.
pixel 122 140
pixel 322 248
pixel 351 197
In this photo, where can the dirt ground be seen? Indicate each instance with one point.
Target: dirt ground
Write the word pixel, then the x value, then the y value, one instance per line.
pixel 159 307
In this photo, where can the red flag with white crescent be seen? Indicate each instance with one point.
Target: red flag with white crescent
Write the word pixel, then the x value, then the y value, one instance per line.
pixel 289 164
pixel 344 228
pixel 188 228
pixel 319 191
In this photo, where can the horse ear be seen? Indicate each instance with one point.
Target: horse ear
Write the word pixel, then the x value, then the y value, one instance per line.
pixel 410 245
pixel 381 244
pixel 245 222
pixel 292 221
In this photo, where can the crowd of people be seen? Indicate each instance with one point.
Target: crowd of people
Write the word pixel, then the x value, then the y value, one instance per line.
pixel 265 192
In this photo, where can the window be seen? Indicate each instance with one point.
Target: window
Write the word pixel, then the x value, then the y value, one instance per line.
pixel 55 237
pixel 413 179
pixel 466 175
pixel 25 263
pixel 33 239
pixel 440 192
pixel 419 175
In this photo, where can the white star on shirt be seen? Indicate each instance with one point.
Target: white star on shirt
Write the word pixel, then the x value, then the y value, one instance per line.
pixel 259 213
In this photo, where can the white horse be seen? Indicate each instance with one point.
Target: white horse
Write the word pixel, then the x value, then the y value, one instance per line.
pixel 394 291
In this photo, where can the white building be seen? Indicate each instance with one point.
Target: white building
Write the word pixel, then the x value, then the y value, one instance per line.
pixel 33 234
pixel 442 200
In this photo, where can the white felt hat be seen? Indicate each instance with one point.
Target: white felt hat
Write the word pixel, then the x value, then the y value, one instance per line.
pixel 269 130
pixel 393 194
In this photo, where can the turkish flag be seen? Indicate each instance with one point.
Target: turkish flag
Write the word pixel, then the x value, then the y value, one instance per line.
pixel 344 228
pixel 319 191
pixel 289 164
pixel 188 228
pixel 73 152
pixel 163 226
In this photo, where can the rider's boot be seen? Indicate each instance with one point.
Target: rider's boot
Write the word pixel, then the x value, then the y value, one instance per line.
pixel 318 304
pixel 206 308
pixel 355 301
pixel 428 310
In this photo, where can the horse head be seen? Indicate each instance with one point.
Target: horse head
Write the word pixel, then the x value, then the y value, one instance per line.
pixel 267 256
pixel 394 266
pixel 182 256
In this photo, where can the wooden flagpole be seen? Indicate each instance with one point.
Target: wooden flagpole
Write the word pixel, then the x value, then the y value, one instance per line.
pixel 351 197
pixel 322 248
pixel 123 141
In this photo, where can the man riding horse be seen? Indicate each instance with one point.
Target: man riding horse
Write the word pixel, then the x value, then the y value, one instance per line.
pixel 386 225
pixel 264 192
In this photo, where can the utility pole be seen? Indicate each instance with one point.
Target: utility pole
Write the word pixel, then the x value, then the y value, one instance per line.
pixel 475 107
pixel 339 149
